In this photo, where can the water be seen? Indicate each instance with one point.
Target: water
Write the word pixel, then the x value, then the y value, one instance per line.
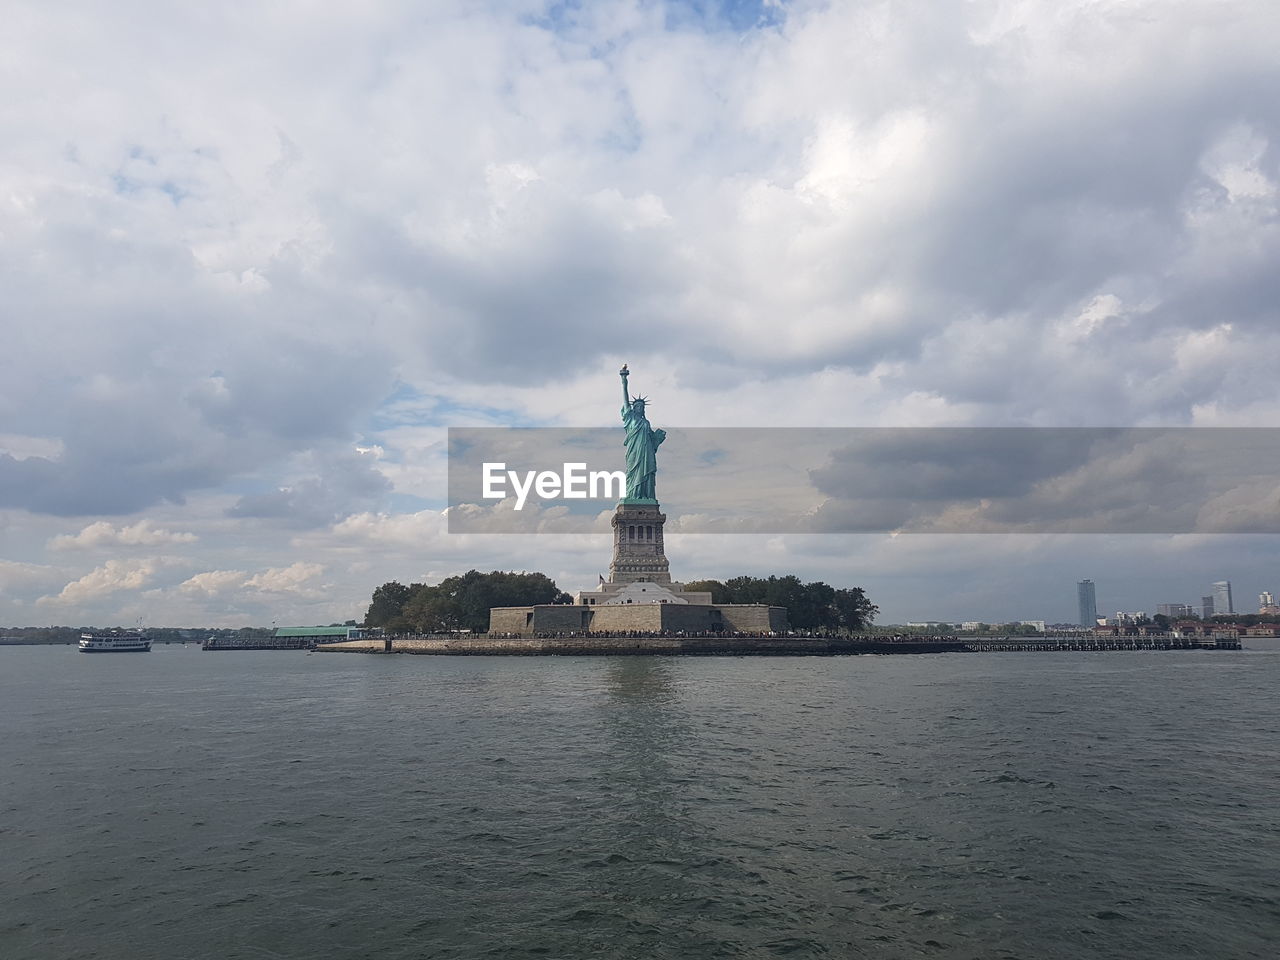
pixel 265 805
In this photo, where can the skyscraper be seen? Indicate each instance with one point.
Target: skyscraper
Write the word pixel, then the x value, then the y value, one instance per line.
pixel 1206 608
pixel 1222 597
pixel 1088 604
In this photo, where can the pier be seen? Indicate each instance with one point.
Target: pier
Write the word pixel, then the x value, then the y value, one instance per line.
pixel 289 638
pixel 1082 642
pixel 257 643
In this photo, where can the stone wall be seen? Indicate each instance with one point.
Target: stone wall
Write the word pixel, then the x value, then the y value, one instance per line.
pixel 754 617
pixel 638 617
pixel 353 646
pixel 509 619
pixel 622 646
pixel 561 618
pixel 649 617
pixel 546 618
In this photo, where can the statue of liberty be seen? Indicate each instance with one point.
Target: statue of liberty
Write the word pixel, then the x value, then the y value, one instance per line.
pixel 642 443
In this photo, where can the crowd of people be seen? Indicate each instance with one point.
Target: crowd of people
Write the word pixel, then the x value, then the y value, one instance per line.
pixel 651 634
pixel 913 638
pixel 711 635
pixel 707 635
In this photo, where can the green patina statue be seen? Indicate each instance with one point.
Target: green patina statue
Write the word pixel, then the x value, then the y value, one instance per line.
pixel 642 442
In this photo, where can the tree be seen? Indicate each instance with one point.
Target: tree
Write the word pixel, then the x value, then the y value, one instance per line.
pixel 432 612
pixel 854 611
pixel 745 590
pixel 719 592
pixel 460 602
pixel 388 603
pixel 810 606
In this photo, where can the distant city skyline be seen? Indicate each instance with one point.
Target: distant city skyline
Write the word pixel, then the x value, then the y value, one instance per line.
pixel 1217 603
pixel 1087 609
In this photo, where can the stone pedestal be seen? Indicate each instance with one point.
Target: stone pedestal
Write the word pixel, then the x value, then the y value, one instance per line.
pixel 639 596
pixel 639 555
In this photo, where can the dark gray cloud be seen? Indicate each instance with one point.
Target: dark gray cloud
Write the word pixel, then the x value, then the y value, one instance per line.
pixel 345 484
pixel 1071 480
pixel 529 300
pixel 136 436
pixel 943 464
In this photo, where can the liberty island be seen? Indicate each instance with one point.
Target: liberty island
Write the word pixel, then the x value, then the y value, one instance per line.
pixel 640 609
pixel 639 595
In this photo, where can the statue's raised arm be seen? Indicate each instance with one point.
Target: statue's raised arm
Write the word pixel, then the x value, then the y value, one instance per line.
pixel 626 397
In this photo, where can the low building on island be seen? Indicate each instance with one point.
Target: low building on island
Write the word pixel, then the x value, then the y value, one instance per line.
pixel 639 596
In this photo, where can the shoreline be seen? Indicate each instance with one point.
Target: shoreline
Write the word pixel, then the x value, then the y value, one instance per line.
pixel 569 646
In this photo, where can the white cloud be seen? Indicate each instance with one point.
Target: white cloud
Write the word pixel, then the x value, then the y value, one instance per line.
pixel 295 578
pixel 103 534
pixel 406 529
pixel 112 577
pixel 21 447
pixel 213 583
pixel 17 578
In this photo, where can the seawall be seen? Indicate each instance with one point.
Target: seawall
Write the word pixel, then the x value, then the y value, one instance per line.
pixel 751 646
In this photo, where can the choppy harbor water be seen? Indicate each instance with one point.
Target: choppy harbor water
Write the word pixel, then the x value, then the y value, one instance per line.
pixel 275 804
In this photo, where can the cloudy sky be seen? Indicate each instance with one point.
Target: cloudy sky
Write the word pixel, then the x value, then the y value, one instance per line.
pixel 256 258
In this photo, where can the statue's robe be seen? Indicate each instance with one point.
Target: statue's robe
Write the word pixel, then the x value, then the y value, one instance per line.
pixel 642 442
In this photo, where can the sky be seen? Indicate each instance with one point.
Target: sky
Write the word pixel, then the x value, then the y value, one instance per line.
pixel 257 258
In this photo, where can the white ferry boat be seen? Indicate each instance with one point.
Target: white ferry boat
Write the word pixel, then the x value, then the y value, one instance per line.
pixel 114 642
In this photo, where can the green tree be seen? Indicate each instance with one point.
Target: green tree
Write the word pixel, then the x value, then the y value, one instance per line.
pixel 810 606
pixel 719 592
pixel 853 611
pixel 460 602
pixel 388 603
pixel 430 611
